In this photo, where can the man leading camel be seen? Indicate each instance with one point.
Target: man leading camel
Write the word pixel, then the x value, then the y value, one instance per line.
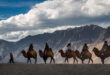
pixel 11 58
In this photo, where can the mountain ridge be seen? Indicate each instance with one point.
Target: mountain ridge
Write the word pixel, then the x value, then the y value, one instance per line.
pixel 58 39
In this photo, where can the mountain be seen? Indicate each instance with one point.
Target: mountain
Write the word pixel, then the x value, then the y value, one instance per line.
pixel 57 40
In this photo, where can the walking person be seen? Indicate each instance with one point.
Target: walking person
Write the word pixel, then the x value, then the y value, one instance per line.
pixel 11 59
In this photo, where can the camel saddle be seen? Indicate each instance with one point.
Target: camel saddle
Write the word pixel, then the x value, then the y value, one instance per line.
pixel 68 52
pixel 83 52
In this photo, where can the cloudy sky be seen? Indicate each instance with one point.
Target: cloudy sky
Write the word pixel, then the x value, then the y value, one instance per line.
pixel 20 18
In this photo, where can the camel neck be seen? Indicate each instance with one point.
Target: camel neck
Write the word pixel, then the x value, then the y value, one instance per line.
pixel 97 53
pixel 63 54
pixel 41 54
pixel 25 55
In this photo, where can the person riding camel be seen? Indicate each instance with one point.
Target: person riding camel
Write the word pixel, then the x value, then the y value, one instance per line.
pixel 104 48
pixel 46 48
pixel 85 48
pixel 11 58
pixel 31 47
pixel 68 49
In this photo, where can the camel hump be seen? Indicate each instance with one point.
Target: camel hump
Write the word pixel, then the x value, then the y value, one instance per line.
pixel 108 47
pixel 77 52
pixel 50 49
pixel 87 53
pixel 72 51
pixel 32 53
pixel 50 52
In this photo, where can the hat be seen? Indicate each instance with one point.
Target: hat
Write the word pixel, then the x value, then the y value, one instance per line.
pixel 69 44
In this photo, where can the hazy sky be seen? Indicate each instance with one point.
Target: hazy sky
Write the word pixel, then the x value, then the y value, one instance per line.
pixel 20 18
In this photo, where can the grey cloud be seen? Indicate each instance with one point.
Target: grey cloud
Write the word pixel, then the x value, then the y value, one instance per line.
pixel 56 13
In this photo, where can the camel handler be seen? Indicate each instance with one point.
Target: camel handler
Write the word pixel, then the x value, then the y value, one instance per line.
pixel 104 48
pixel 46 48
pixel 11 58
pixel 85 48
pixel 68 49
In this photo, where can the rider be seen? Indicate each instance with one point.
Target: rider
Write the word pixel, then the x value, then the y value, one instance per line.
pixel 31 47
pixel 85 48
pixel 105 46
pixel 46 48
pixel 68 49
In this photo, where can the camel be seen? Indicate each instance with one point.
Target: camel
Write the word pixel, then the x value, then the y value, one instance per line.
pixel 48 54
pixel 87 55
pixel 30 54
pixel 98 53
pixel 71 55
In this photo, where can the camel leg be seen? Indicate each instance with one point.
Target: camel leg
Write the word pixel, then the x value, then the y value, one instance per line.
pixel 67 61
pixel 27 60
pixel 102 61
pixel 51 60
pixel 54 60
pixel 76 60
pixel 73 60
pixel 45 61
pixel 35 60
pixel 82 61
pixel 30 61
pixel 91 60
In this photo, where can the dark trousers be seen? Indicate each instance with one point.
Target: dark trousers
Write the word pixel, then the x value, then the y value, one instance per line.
pixel 11 61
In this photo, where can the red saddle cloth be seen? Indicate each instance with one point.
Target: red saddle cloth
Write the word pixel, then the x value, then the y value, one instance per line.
pixel 102 54
pixel 68 53
pixel 83 52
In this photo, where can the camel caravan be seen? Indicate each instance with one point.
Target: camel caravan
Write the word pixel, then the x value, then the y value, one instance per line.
pixel 69 53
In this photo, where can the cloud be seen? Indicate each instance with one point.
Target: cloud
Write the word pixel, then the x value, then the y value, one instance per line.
pixel 55 13
pixel 15 36
pixel 96 8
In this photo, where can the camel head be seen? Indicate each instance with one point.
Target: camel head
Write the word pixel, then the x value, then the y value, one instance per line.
pixel 78 54
pixel 24 53
pixel 95 49
pixel 108 47
pixel 41 53
pixel 77 51
pixel 60 51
